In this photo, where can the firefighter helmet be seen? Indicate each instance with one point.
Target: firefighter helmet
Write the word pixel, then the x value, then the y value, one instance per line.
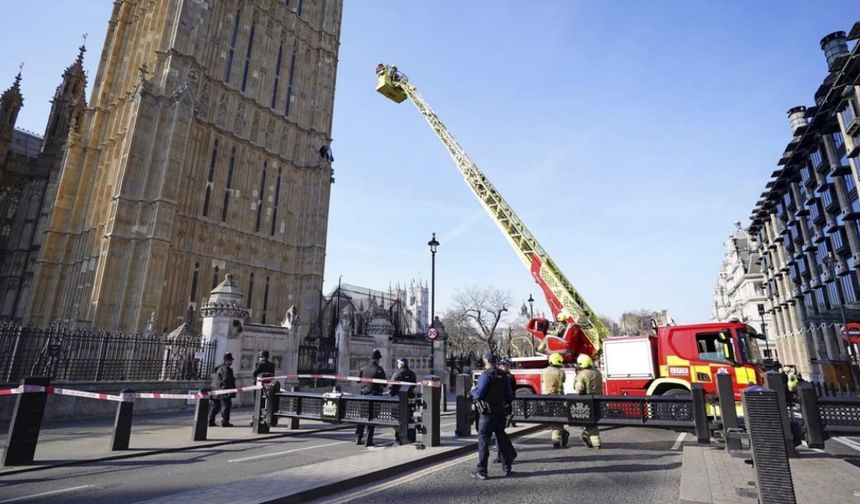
pixel 561 317
pixel 584 361
pixel 556 359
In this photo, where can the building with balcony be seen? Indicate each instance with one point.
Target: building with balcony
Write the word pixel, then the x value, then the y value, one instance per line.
pixel 807 223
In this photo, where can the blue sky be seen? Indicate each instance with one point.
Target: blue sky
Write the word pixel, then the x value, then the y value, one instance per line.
pixel 628 135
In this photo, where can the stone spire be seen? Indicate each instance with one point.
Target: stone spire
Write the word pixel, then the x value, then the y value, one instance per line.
pixel 11 102
pixel 66 107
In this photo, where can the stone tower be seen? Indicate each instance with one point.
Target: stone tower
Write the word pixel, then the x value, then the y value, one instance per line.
pixel 199 155
pixel 11 102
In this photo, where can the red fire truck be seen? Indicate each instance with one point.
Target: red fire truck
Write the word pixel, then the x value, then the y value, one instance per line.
pixel 667 362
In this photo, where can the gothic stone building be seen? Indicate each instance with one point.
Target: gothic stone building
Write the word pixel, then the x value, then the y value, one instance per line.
pixel 29 170
pixel 204 150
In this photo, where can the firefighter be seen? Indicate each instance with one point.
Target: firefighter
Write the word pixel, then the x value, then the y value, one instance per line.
pixel 588 381
pixel 552 383
pixel 491 394
pixel 372 371
pixel 561 328
pixel 403 374
pixel 791 382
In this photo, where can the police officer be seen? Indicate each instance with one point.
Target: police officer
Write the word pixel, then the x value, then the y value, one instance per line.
pixel 264 366
pixel 552 383
pixel 505 367
pixel 403 374
pixel 373 371
pixel 491 394
pixel 222 379
pixel 588 381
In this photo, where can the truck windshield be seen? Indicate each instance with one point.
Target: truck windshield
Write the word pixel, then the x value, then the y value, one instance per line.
pixel 748 344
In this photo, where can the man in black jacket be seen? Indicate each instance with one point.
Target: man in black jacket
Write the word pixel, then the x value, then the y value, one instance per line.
pixel 265 367
pixel 222 379
pixel 403 374
pixel 373 371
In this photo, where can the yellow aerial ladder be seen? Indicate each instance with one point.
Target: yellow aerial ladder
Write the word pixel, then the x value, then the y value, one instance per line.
pixel 584 330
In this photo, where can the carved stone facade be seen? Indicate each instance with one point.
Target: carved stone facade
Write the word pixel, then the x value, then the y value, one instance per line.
pixel 29 170
pixel 204 151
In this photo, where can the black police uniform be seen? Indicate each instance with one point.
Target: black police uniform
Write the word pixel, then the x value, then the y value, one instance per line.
pixel 495 395
pixel 222 379
pixel 263 368
pixel 403 374
pixel 372 370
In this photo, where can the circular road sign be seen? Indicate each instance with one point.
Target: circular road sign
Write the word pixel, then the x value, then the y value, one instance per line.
pixel 432 333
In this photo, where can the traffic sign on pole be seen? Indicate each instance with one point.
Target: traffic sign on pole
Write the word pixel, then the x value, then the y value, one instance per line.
pixel 432 334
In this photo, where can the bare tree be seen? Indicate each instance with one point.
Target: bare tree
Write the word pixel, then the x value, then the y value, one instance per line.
pixel 484 307
pixel 462 336
pixel 611 325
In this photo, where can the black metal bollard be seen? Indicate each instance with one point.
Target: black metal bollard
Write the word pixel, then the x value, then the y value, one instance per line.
pixel 431 419
pixel 767 443
pixel 294 422
pixel 462 386
pixel 777 382
pixel 26 421
pixel 728 414
pixel 122 422
pixel 811 417
pixel 700 415
pixel 404 415
pixel 201 417
pixel 257 424
pixel 272 404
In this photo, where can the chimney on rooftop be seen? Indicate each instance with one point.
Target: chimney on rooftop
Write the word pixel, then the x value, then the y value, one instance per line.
pixel 797 117
pixel 834 46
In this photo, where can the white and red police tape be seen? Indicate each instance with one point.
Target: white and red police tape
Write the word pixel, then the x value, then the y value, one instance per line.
pixel 130 397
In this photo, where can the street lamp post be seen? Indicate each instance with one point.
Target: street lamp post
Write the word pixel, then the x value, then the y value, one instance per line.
pixel 434 245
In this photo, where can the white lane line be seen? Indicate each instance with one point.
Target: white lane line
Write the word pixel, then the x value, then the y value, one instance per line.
pixel 813 449
pixel 850 443
pixel 277 454
pixel 679 441
pixel 399 481
pixel 45 494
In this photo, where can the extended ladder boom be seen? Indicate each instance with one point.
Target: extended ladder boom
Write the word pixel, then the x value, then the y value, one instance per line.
pixel 560 294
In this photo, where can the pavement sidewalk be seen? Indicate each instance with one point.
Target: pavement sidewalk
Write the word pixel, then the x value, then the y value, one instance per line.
pixel 68 442
pixel 301 484
pixel 75 442
pixel 710 476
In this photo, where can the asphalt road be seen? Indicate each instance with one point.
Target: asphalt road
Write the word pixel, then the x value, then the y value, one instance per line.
pixel 635 465
pixel 133 480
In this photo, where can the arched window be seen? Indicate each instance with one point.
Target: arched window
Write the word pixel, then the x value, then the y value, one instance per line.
pixel 232 47
pixel 248 55
pixel 215 278
pixel 290 84
pixel 251 290
pixel 212 162
pixel 229 184
pixel 275 207
pixel 277 74
pixel 262 198
pixel 265 301
pixel 194 278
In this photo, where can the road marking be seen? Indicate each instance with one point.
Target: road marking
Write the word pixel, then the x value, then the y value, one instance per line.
pixel 813 449
pixel 850 443
pixel 45 494
pixel 399 481
pixel 679 441
pixel 276 454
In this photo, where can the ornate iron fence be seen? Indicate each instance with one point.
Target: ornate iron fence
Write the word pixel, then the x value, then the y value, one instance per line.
pixel 64 354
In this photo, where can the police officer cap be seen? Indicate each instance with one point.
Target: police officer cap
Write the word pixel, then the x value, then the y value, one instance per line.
pixel 504 362
pixel 403 360
pixel 228 356
pixel 376 355
pixel 264 353
pixel 489 357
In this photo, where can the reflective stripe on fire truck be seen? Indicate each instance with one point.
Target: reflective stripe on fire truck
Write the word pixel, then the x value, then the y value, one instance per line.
pixel 661 381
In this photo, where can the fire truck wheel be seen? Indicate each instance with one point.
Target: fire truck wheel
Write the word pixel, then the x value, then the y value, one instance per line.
pixel 678 411
pixel 524 391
